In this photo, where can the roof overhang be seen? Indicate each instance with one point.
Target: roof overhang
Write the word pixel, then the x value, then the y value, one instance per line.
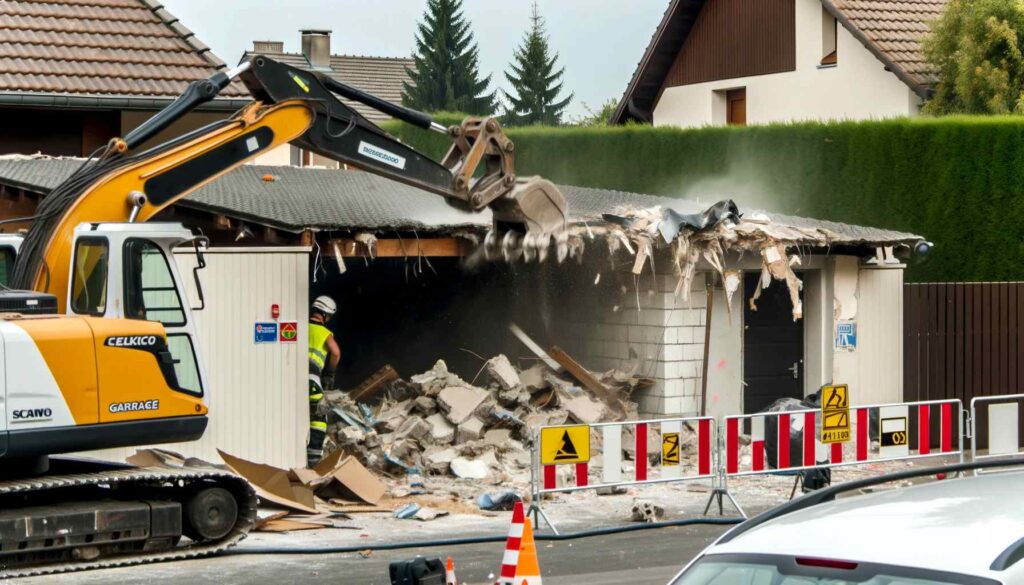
pixel 101 102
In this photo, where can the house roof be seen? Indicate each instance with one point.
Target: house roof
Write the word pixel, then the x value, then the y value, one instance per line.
pixel 380 76
pixel 96 53
pixel 328 199
pixel 891 29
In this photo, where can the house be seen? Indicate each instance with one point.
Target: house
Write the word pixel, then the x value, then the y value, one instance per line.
pixel 380 76
pixel 716 62
pixel 406 270
pixel 73 75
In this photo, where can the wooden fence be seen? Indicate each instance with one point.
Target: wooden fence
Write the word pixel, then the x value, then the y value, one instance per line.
pixel 962 340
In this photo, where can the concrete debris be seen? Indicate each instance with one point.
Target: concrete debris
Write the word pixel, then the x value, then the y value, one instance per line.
pixel 470 430
pixel 645 511
pixel 462 436
pixel 460 402
pixel 502 372
pixel 441 431
pixel 470 468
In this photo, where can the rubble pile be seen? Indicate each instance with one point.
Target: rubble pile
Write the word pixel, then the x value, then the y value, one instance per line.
pixel 437 424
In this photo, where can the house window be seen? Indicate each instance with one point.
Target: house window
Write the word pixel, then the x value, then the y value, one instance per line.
pixel 736 107
pixel 829 28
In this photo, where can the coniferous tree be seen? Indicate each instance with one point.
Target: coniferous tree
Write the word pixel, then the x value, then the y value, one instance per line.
pixel 535 82
pixel 447 74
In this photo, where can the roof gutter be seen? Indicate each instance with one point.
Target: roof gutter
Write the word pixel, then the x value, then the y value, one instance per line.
pixel 922 91
pixel 89 102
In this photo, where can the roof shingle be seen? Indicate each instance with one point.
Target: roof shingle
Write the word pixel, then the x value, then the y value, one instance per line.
pixel 380 76
pixel 122 48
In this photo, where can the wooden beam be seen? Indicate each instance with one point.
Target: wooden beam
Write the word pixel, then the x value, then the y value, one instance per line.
pixel 307 238
pixel 222 222
pixel 401 248
pixel 271 236
pixel 589 381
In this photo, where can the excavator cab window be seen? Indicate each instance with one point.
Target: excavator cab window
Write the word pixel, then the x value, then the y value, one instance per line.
pixel 89 281
pixel 149 288
pixel 7 256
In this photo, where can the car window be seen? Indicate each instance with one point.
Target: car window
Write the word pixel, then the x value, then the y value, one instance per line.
pixel 782 570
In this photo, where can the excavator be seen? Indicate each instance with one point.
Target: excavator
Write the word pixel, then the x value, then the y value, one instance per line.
pixel 97 339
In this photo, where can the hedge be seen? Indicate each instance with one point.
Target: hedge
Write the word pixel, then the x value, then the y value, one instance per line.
pixel 956 181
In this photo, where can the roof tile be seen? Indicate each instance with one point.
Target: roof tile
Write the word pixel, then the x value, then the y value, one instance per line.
pixel 131 48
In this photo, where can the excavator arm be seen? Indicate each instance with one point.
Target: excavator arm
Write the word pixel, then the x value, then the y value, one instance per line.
pixel 298 107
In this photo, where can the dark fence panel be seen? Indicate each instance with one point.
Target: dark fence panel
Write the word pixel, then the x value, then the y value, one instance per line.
pixel 963 340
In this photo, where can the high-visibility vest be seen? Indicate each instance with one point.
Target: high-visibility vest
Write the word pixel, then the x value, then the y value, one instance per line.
pixel 318 335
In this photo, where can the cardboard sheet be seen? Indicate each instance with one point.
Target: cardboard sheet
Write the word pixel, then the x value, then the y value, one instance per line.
pixel 272 484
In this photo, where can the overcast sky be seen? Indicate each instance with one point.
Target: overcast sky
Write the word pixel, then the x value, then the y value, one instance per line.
pixel 599 41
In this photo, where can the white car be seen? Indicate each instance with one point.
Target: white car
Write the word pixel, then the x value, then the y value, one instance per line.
pixel 963 531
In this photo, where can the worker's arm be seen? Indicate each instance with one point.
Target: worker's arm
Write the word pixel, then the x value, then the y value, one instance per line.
pixel 335 354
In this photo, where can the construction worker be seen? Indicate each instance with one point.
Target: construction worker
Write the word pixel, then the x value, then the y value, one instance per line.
pixel 324 355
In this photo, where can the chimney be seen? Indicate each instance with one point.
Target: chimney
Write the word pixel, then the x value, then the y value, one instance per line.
pixel 316 47
pixel 267 47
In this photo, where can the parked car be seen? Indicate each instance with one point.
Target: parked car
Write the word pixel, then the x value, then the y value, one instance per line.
pixel 958 531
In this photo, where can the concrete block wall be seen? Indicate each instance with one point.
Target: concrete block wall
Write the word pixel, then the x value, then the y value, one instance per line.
pixel 640 324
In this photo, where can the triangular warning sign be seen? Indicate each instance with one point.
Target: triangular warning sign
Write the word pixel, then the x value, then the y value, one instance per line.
pixel 567 451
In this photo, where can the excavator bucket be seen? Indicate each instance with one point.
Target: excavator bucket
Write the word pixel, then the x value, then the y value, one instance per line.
pixel 528 221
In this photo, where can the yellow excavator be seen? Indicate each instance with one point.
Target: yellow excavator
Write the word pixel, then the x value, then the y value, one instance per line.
pixel 98 342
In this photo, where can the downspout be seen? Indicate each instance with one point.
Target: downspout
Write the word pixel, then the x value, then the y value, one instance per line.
pixel 709 290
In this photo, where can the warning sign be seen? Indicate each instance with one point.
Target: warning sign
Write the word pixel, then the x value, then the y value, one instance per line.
pixel 893 432
pixel 560 445
pixel 670 449
pixel 835 414
pixel 289 331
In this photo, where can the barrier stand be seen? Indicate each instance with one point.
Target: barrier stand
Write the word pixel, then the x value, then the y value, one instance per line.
pixel 894 436
pixel 565 445
pixel 535 507
pixel 719 483
pixel 1002 423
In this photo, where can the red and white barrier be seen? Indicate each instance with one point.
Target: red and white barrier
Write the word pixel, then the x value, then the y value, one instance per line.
pixel 915 420
pixel 694 461
pixel 1000 417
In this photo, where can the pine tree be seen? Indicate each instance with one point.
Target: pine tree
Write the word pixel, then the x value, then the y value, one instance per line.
pixel 535 83
pixel 447 74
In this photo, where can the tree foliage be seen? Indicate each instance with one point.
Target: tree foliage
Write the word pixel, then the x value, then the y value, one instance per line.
pixel 601 116
pixel 447 75
pixel 977 47
pixel 535 82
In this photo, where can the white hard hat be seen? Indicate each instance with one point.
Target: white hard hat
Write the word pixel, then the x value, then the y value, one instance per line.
pixel 325 305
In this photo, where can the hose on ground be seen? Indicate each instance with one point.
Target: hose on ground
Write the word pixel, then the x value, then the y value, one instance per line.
pixel 272 550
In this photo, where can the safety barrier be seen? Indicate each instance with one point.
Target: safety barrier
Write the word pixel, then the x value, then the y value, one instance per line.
pixel 894 424
pixel 1001 418
pixel 569 445
pixel 904 431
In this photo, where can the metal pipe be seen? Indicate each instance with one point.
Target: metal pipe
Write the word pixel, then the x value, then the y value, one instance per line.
pixel 709 289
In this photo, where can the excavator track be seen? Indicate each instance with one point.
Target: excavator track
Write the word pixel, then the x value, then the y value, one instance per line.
pixel 129 485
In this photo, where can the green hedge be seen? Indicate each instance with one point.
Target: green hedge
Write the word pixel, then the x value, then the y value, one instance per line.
pixel 956 181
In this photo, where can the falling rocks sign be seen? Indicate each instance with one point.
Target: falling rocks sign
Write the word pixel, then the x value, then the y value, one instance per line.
pixel 289 332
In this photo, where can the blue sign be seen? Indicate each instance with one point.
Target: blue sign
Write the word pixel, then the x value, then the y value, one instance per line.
pixel 846 335
pixel 265 332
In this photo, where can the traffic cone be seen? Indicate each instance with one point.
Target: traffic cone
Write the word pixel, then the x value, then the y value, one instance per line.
pixel 449 573
pixel 528 568
pixel 511 557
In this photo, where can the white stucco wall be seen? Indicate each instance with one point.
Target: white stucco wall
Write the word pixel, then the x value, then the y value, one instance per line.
pixel 857 88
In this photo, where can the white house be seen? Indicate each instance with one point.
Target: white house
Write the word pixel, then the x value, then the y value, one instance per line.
pixel 716 62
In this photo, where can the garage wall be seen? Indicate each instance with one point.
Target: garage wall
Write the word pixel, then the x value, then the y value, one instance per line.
pixel 256 393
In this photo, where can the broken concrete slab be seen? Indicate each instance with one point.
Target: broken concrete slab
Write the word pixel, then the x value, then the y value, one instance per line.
pixel 414 427
pixel 502 372
pixel 533 380
pixel 470 430
pixel 470 468
pixel 460 402
pixel 498 437
pixel 439 460
pixel 581 407
pixel 441 431
pixel 425 405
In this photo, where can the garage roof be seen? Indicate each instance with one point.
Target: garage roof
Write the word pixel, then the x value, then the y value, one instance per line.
pixel 328 199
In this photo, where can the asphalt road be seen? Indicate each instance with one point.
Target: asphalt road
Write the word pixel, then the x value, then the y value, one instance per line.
pixel 643 557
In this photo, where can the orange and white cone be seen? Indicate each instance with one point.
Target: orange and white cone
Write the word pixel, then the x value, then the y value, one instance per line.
pixel 519 566
pixel 449 573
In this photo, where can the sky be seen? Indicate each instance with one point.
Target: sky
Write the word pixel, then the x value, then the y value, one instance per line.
pixel 599 42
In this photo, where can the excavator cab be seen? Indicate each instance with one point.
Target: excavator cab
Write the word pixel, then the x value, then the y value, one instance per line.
pixel 128 271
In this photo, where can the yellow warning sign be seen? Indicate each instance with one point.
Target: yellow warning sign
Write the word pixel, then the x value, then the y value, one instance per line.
pixel 560 445
pixel 835 414
pixel 670 448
